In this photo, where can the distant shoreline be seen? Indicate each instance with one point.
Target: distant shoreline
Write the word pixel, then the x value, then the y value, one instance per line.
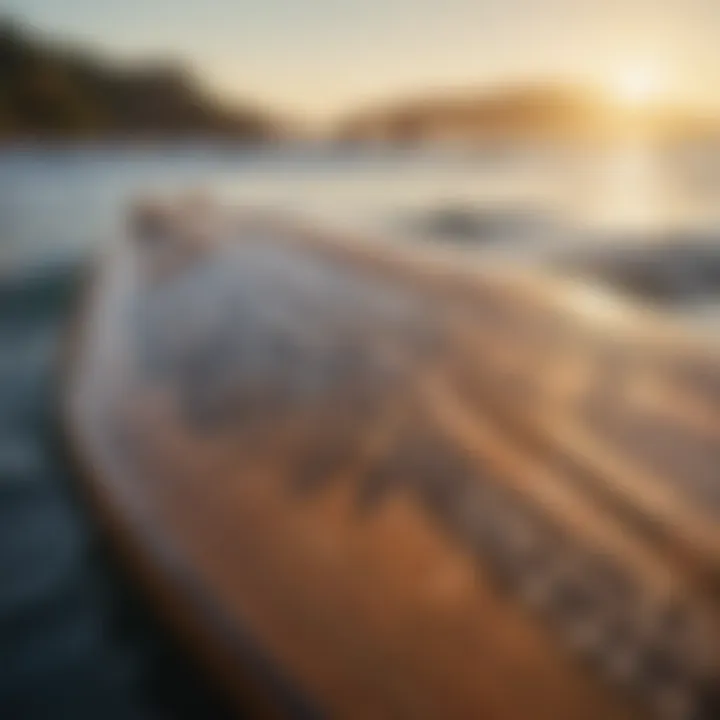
pixel 133 142
pixel 63 93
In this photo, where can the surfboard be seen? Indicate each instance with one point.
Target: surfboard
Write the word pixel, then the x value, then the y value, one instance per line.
pixel 365 483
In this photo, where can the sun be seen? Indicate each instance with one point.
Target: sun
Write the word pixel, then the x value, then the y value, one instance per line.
pixel 638 86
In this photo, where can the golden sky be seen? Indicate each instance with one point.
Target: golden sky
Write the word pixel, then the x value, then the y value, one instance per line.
pixel 321 57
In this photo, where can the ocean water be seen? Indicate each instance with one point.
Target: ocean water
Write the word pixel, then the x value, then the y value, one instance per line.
pixel 73 640
pixel 572 207
pixel 55 203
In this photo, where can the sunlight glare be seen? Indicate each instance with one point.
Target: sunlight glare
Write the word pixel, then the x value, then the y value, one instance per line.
pixel 638 86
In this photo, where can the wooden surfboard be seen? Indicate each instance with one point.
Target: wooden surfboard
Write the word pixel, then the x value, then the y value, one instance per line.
pixel 363 485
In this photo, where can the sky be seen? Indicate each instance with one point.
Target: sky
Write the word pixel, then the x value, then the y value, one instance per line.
pixel 321 58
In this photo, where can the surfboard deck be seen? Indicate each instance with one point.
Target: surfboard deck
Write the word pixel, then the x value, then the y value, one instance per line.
pixel 366 485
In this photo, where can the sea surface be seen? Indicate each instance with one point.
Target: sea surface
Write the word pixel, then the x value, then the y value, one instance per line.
pixel 74 641
pixel 590 208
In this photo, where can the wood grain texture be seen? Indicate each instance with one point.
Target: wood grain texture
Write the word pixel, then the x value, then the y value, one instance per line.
pixel 407 491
